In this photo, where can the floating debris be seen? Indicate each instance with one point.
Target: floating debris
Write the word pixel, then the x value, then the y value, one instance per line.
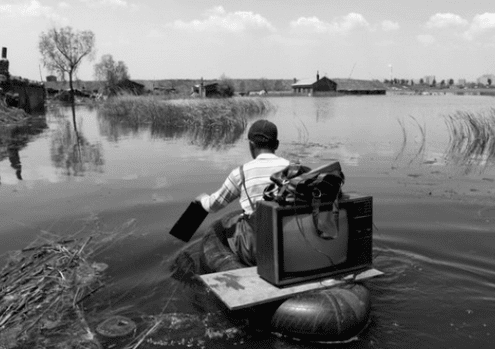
pixel 116 326
pixel 188 330
pixel 42 288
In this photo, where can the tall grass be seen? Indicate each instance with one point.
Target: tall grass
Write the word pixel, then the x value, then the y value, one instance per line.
pixel 471 137
pixel 227 114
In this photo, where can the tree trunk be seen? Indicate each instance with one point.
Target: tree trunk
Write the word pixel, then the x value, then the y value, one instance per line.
pixel 72 99
pixel 72 102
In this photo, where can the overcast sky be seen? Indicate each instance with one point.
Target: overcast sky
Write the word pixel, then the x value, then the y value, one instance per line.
pixel 275 39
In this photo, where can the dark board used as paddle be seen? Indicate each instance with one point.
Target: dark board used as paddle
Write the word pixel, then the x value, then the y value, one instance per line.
pixel 189 222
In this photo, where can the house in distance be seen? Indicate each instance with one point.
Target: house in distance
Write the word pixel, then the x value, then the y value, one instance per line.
pixel 325 86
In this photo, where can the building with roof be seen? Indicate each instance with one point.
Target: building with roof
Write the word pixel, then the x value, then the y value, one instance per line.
pixel 19 92
pixel 315 87
pixel 213 89
pixel 487 80
pixel 206 90
pixel 127 86
pixel 326 86
pixel 360 87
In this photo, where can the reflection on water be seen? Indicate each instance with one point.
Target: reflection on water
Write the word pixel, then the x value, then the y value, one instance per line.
pixel 14 138
pixel 115 130
pixel 470 145
pixel 434 252
pixel 217 137
pixel 71 152
pixel 324 108
pixel 420 149
pixel 358 131
pixel 13 151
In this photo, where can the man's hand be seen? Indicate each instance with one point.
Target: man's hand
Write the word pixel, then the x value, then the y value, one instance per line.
pixel 199 197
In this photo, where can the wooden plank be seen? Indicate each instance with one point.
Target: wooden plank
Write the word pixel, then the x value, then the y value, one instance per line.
pixel 243 288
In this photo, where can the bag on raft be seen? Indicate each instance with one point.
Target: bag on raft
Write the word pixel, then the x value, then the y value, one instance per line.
pixel 298 185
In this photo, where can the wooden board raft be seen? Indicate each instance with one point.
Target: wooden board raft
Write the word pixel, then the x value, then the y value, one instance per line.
pixel 243 288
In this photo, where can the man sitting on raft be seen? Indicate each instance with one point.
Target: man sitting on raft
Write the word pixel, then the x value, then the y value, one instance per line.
pixel 247 183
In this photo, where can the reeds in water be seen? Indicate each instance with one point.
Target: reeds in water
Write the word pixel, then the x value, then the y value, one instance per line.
pixel 422 145
pixel 203 113
pixel 205 119
pixel 471 137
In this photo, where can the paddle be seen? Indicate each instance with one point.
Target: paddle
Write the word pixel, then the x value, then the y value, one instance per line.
pixel 189 222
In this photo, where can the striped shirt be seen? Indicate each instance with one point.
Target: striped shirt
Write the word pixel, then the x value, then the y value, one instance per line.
pixel 257 175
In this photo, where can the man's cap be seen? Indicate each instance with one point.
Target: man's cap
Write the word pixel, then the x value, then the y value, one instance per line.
pixel 263 131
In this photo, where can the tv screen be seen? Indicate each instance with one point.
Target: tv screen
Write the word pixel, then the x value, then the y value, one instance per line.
pixel 289 251
pixel 304 251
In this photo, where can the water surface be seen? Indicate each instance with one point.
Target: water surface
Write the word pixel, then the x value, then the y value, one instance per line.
pixel 434 214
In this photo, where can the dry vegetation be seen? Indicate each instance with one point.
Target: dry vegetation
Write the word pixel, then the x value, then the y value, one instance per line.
pixel 43 286
pixel 190 113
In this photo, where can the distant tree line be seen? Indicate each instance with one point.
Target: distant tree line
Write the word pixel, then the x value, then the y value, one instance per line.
pixel 433 83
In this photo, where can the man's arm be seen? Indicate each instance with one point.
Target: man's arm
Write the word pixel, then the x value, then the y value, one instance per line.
pixel 228 192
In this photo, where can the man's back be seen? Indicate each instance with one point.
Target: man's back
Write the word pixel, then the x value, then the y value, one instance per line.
pixel 257 176
pixel 248 187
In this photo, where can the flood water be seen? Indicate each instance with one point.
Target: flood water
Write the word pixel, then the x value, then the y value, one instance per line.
pixel 434 213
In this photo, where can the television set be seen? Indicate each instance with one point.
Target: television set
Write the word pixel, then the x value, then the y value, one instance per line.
pixel 289 250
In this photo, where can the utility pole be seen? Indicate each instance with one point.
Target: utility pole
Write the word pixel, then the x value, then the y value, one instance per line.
pixel 41 76
pixel 350 74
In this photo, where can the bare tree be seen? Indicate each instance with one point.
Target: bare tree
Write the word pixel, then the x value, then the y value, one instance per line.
pixel 63 49
pixel 110 72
